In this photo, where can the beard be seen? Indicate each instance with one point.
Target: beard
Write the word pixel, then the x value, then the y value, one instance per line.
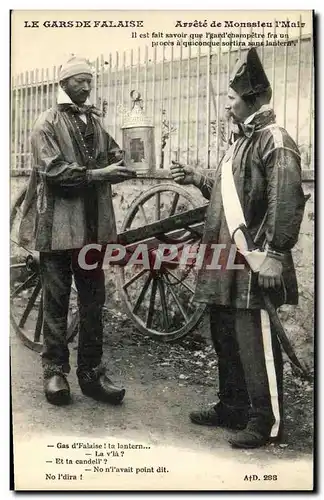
pixel 231 118
pixel 81 98
pixel 78 97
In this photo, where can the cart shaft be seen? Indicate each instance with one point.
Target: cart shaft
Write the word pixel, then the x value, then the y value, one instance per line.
pixel 191 220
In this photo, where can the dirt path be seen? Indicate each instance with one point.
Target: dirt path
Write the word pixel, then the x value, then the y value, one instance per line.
pixel 164 383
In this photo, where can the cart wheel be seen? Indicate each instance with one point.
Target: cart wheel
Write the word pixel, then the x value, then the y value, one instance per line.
pixel 26 312
pixel 160 303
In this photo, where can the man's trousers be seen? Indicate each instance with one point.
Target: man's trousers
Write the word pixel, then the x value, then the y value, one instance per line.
pixel 250 366
pixel 56 270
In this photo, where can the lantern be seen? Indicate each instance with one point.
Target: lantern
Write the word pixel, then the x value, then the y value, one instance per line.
pixel 138 137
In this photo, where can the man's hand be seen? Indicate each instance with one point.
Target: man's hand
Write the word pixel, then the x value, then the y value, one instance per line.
pixel 114 173
pixel 270 273
pixel 182 174
pixel 117 172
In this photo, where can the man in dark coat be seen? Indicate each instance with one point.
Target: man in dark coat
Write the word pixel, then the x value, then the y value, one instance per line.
pixel 69 205
pixel 265 164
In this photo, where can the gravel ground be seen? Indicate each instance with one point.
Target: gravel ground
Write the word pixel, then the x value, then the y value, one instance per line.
pixel 164 382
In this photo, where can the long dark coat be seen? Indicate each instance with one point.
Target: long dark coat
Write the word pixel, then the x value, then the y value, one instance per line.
pixel 54 211
pixel 267 175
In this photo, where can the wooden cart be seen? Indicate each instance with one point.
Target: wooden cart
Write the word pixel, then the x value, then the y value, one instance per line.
pixel 159 302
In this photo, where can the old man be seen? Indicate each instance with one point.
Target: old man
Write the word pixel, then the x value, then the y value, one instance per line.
pixel 69 205
pixel 257 183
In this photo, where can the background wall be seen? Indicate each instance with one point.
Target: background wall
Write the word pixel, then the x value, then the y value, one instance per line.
pixel 183 95
pixel 298 321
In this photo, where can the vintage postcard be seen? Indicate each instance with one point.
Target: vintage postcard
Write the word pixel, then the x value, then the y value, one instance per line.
pixel 162 250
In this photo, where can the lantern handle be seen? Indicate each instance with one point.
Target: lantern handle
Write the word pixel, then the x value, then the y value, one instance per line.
pixel 136 98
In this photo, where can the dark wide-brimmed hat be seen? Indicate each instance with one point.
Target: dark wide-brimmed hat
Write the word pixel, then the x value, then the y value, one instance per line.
pixel 248 77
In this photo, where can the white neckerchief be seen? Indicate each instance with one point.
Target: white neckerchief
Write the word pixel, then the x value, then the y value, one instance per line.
pixel 63 98
pixel 264 107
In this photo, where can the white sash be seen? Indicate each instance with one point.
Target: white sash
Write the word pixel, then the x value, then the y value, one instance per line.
pixel 234 213
pixel 235 217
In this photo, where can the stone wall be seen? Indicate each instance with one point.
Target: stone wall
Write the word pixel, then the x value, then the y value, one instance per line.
pixel 299 321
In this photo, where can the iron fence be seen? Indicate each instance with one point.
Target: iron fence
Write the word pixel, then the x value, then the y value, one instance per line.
pixel 184 93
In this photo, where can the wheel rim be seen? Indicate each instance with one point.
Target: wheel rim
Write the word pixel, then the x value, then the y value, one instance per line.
pixel 160 302
pixel 26 311
pixel 26 307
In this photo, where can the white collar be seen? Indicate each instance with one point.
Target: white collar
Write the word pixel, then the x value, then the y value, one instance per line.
pixel 264 107
pixel 63 98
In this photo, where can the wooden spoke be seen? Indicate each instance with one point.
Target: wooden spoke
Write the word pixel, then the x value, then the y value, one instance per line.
pixel 19 212
pixel 176 300
pixel 161 308
pixel 164 305
pixel 18 266
pixel 73 286
pixel 26 301
pixel 158 206
pixel 150 314
pixel 141 209
pixel 142 294
pixel 174 204
pixel 74 323
pixel 30 304
pixel 20 246
pixel 190 303
pixel 191 290
pixel 23 286
pixel 39 323
pixel 134 278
